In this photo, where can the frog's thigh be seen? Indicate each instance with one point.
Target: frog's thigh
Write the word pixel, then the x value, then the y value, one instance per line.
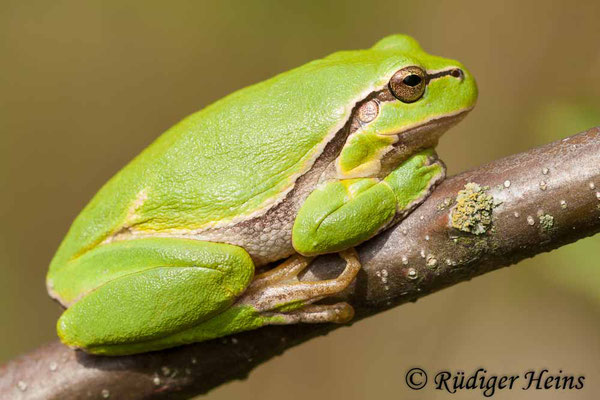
pixel 342 214
pixel 189 281
pixel 413 180
pixel 278 299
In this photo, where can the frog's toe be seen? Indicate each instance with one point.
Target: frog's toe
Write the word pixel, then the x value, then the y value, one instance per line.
pixel 339 313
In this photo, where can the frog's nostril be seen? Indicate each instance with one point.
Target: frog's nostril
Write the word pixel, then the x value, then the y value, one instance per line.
pixel 457 73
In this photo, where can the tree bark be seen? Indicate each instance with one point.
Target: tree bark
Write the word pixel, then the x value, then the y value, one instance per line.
pixel 473 223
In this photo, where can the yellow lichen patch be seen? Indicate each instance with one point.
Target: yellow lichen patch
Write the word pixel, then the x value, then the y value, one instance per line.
pixel 473 210
pixel 546 222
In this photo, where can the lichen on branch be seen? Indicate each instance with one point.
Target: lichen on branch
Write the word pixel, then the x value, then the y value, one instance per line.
pixel 473 210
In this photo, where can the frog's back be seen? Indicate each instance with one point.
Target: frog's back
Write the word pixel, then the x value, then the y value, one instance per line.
pixel 234 159
pixel 245 151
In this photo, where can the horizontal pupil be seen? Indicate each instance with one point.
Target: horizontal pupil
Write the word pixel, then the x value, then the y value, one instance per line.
pixel 412 80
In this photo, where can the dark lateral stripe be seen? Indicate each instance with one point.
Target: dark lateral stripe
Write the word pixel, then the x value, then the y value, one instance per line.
pixel 455 72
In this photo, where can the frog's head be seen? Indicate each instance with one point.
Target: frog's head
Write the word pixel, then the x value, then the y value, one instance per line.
pixel 417 98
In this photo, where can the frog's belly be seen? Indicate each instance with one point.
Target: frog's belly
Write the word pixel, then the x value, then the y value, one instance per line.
pixel 266 238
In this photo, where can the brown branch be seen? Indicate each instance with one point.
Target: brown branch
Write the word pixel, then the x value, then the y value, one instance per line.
pixel 541 199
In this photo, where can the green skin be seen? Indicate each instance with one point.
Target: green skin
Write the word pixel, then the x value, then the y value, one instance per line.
pixel 155 260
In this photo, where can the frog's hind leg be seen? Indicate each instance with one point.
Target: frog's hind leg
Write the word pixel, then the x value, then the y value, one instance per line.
pixel 155 290
pixel 281 293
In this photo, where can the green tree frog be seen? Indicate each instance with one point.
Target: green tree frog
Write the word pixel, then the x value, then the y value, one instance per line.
pixel 314 160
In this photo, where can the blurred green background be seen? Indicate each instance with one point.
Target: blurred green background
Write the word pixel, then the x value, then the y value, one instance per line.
pixel 84 86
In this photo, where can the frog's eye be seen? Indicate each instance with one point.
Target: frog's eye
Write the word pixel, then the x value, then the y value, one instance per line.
pixel 408 84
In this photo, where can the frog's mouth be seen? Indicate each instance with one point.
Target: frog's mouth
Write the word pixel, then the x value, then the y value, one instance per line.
pixel 417 138
pixel 429 132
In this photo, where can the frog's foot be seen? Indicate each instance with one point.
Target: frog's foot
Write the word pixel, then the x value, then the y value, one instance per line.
pixel 287 270
pixel 279 292
pixel 338 313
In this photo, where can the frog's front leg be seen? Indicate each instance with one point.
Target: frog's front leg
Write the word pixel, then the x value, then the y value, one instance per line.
pixel 342 214
pixel 142 290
